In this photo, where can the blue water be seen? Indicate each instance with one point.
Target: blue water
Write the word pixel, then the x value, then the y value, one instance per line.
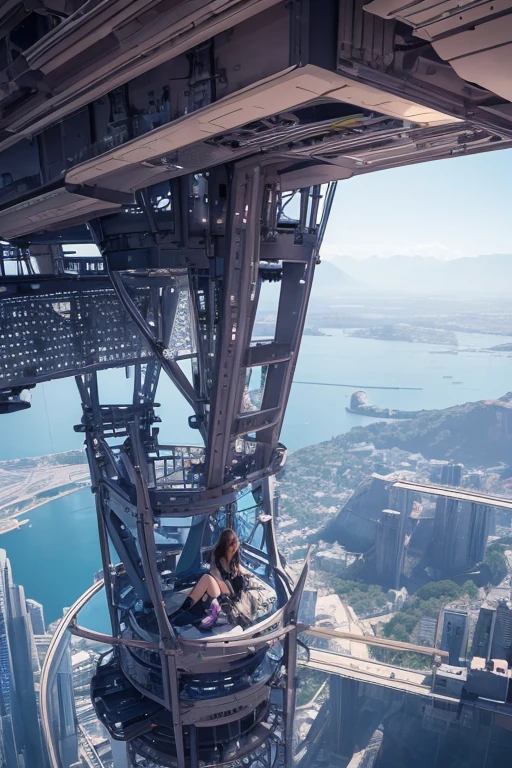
pixel 56 556
pixel 318 413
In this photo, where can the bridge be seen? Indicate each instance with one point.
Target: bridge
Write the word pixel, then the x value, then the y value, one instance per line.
pixel 372 672
pixel 460 494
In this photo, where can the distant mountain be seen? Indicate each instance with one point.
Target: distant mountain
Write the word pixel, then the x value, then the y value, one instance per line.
pixel 329 282
pixel 484 275
pixel 330 277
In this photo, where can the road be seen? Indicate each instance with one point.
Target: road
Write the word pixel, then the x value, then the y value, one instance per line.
pixel 22 485
pixel 368 671
pixel 344 620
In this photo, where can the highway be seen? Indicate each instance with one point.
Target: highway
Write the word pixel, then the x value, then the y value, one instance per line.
pixel 461 494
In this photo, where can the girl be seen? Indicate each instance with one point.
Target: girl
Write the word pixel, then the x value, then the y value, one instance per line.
pixel 223 585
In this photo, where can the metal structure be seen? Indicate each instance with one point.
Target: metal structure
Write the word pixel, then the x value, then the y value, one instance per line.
pixel 348 675
pixel 197 145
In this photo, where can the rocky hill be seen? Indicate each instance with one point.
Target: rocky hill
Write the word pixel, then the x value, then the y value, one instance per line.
pixel 476 434
pixel 318 480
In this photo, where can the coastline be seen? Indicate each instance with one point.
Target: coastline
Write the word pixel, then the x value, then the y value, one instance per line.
pixel 386 415
pixel 13 525
pixel 30 507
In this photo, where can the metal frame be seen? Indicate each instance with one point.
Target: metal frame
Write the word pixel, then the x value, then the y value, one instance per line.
pixel 245 242
pixel 204 312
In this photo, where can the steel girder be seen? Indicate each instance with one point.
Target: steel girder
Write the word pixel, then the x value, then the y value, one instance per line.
pixel 204 318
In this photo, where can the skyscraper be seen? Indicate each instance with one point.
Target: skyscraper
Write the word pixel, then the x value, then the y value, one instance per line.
pixel 389 549
pixel 454 635
pixel 460 529
pixel 482 638
pixel 36 613
pixel 21 732
pixel 493 632
pixel 502 637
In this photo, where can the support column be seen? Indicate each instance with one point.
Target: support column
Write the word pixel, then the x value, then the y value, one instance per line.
pixel 343 715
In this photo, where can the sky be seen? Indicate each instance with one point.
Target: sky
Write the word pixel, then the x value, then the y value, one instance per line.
pixel 445 209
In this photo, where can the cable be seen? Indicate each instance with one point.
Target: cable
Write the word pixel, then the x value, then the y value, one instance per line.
pixel 48 419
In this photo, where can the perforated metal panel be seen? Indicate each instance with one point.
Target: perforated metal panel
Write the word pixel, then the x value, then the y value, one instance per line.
pixel 61 334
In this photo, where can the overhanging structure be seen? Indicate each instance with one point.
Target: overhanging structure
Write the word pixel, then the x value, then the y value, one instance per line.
pixel 197 145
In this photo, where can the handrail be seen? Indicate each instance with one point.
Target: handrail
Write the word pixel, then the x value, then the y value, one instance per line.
pixel 394 645
pixel 215 643
pixel 46 671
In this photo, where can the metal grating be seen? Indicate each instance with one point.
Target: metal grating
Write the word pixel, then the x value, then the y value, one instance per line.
pixel 61 334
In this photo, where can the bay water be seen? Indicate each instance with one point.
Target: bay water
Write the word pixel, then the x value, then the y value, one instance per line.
pixel 55 556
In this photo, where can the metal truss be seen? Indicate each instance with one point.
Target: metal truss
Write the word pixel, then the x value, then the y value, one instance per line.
pixel 178 285
pixel 202 316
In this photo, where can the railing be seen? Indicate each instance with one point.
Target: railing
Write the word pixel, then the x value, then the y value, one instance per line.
pixel 250 458
pixel 15 262
pixel 50 670
pixel 84 267
pixel 19 262
pixel 177 467
pixel 324 662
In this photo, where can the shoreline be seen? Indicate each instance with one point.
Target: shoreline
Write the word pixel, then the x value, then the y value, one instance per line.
pixel 40 503
pixel 13 525
pixel 382 417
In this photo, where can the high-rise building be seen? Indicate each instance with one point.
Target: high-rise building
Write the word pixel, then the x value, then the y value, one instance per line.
pixel 8 708
pixel 460 529
pixel 61 703
pixel 19 663
pixel 484 629
pixel 36 613
pixel 389 549
pixel 493 633
pixel 454 635
pixel 501 647
pixel 451 474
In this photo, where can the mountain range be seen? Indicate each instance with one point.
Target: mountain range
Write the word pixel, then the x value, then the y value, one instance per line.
pixel 483 275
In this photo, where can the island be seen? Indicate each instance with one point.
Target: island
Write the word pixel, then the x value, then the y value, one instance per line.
pixel 359 405
pixel 404 332
pixel 28 483
pixel 267 328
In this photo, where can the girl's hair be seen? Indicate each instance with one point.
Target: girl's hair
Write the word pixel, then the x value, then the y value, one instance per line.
pixel 227 538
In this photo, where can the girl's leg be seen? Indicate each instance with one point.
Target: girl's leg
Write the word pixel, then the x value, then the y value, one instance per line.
pixel 206 585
